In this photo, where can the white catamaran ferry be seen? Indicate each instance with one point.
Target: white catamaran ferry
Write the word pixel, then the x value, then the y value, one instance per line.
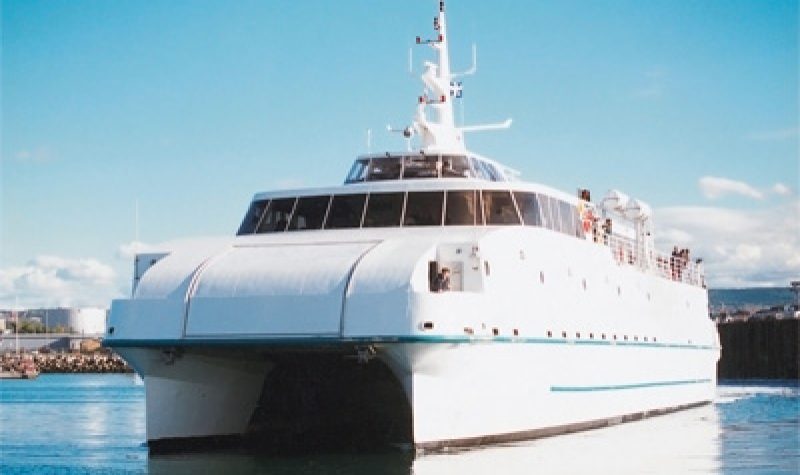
pixel 433 299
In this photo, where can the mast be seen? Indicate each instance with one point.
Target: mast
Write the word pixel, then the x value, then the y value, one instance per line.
pixel 439 133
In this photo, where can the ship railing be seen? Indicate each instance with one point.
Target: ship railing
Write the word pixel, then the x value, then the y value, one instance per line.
pixel 679 268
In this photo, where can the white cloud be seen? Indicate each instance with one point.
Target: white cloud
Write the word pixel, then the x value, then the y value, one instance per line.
pixel 57 281
pixel 774 135
pixel 781 189
pixel 740 247
pixel 715 187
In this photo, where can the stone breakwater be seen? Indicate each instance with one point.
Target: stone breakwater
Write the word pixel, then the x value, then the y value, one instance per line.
pixel 95 362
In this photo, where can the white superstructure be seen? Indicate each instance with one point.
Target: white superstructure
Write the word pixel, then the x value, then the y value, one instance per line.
pixel 560 314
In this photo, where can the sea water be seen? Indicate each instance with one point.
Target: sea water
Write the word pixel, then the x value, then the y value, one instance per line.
pixel 95 424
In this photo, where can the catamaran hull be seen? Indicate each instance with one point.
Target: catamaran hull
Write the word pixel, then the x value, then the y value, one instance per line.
pixel 460 393
pixel 489 391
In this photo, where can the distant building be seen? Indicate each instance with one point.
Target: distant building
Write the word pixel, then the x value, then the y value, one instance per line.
pixel 86 321
pixel 83 321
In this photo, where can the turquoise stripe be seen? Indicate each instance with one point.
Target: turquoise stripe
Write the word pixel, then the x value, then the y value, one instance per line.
pixel 309 340
pixel 626 386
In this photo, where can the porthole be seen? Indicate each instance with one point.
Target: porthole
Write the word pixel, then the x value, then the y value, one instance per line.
pixel 603 336
pixel 541 277
pixel 577 334
pixel 655 339
pixel 583 282
pixel 615 337
pixel 635 338
pixel 563 334
pixel 625 337
pixel 645 338
pixel 591 336
pixel 549 334
pixel 515 332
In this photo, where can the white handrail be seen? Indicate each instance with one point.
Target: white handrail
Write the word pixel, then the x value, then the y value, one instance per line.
pixel 626 251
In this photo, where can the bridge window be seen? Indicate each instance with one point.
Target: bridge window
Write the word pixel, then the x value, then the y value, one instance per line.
pixel 388 168
pixel 455 166
pixel 252 218
pixel 424 208
pixel 276 217
pixel 358 172
pixel 529 208
pixel 421 166
pixel 486 171
pixel 461 208
pixel 384 210
pixel 309 213
pixel 346 211
pixel 498 208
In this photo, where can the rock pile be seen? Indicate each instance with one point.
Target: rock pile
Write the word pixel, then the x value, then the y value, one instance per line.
pixel 102 361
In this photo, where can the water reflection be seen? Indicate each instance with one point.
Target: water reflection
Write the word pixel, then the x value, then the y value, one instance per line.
pixel 678 443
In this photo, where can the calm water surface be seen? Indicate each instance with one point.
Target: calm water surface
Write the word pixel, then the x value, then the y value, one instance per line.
pixel 95 424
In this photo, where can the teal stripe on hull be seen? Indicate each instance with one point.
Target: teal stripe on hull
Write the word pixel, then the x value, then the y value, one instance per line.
pixel 567 389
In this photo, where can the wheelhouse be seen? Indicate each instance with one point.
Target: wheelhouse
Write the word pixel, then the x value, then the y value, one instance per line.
pixel 420 166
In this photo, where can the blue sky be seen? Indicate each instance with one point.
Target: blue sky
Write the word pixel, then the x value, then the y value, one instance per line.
pixel 190 107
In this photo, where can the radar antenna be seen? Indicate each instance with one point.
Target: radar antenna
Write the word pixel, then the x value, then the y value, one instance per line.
pixel 439 133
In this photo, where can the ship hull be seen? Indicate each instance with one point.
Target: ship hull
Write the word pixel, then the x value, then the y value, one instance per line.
pixel 493 391
pixel 460 392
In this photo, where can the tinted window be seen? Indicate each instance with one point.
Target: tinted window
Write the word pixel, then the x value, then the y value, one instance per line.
pixel 384 210
pixel 359 171
pixel 529 208
pixel 455 166
pixel 461 209
pixel 277 215
pixel 309 213
pixel 576 218
pixel 385 168
pixel 544 208
pixel 417 166
pixel 498 208
pixel 555 221
pixel 424 208
pixel 567 218
pixel 480 172
pixel 253 216
pixel 346 211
